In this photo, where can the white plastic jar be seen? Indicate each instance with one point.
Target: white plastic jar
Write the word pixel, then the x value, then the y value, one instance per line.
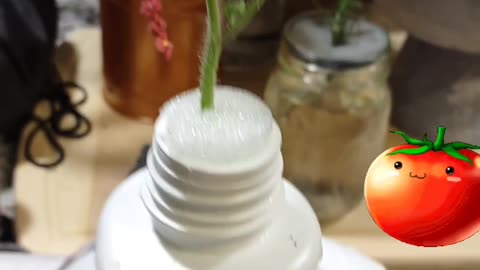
pixel 212 195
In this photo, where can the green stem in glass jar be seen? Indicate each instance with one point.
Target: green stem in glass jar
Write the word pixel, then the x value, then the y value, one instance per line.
pixel 339 21
pixel 211 55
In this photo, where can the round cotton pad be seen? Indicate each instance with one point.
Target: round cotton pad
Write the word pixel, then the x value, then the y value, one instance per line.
pixel 311 38
pixel 237 129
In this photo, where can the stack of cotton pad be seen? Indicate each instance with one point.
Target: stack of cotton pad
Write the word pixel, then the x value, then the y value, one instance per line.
pixel 236 129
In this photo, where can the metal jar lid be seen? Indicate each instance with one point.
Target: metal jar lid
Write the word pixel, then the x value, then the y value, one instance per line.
pixel 308 38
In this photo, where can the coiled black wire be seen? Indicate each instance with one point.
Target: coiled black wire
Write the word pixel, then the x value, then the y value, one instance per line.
pixel 61 106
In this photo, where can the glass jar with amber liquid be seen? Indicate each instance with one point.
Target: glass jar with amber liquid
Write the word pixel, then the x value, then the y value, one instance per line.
pixel 138 78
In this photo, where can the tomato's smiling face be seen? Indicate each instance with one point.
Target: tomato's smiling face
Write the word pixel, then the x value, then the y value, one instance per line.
pixel 419 191
pixel 426 193
pixel 431 166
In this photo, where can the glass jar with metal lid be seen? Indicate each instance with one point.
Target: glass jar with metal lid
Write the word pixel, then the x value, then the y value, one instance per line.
pixel 333 106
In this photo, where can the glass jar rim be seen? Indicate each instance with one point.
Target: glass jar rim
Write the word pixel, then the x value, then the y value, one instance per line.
pixel 321 53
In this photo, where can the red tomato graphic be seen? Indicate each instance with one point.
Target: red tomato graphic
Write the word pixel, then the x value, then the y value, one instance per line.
pixel 426 193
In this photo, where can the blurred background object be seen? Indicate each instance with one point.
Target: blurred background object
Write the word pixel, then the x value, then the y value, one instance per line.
pixel 445 23
pixel 7 217
pixel 29 78
pixel 436 77
pixel 138 78
pixel 433 86
pixel 247 61
pixel 76 14
pixel 25 261
pixel 332 103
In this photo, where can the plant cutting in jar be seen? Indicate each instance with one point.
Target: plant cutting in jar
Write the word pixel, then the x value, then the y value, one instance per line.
pixel 338 24
pixel 225 20
pixel 352 39
pixel 330 97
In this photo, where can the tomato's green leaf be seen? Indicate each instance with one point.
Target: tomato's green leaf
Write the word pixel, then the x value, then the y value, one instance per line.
pixel 453 153
pixel 425 137
pixel 427 141
pixel 408 139
pixel 461 146
pixel 412 151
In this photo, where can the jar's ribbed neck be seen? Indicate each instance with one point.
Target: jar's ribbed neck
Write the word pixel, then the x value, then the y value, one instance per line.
pixel 291 64
pixel 288 57
pixel 194 208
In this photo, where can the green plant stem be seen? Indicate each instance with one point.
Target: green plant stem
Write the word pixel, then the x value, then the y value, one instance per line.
pixel 339 21
pixel 211 55
pixel 438 144
pixel 251 8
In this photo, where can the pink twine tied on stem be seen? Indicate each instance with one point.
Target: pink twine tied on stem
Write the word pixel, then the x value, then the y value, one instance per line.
pixel 157 26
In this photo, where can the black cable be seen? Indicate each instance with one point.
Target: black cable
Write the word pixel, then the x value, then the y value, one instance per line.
pixel 61 106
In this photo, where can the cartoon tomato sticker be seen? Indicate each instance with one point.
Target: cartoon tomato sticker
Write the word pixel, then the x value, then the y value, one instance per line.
pixel 426 193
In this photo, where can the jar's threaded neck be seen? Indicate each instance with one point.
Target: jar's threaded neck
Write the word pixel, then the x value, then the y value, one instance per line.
pixel 197 208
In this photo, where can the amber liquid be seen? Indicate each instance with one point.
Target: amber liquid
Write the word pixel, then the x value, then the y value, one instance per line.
pixel 138 80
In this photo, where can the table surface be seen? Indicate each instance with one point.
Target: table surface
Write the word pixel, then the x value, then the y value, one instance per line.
pixel 334 258
pixel 58 208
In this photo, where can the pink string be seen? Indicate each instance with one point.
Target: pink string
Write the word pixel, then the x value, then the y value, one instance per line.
pixel 157 26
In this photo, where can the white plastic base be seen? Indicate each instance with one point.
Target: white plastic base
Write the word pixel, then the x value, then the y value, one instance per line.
pixel 127 240
pixel 336 257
